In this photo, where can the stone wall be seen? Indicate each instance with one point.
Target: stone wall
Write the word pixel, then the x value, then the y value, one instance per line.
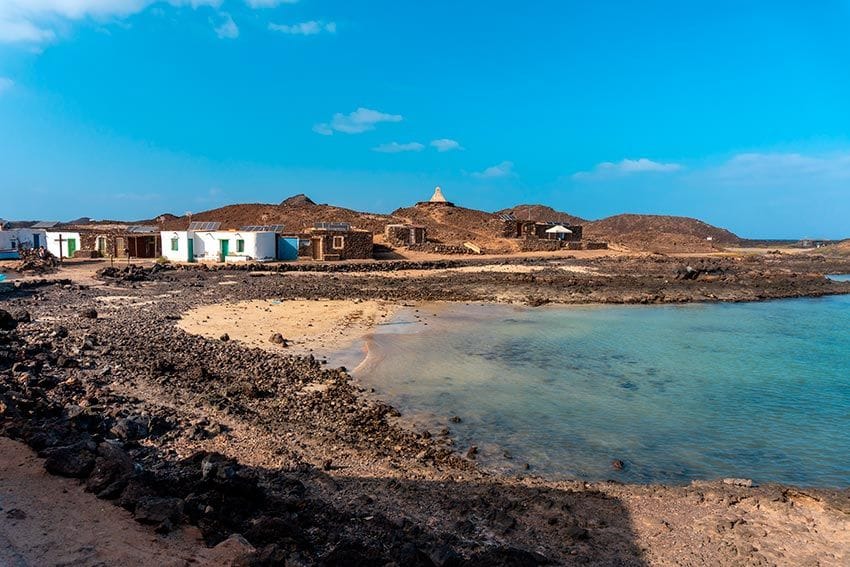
pixel 404 234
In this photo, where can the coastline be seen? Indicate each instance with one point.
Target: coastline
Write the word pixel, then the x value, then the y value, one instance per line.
pixel 287 421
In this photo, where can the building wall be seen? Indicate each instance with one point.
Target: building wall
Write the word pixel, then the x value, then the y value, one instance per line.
pixel 182 252
pixel 356 244
pixel 15 238
pixel 404 234
pixel 259 246
pixel 53 242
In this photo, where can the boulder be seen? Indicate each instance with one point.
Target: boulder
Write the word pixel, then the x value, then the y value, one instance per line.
pixel 7 322
pixel 155 510
pixel 75 461
pixel 112 469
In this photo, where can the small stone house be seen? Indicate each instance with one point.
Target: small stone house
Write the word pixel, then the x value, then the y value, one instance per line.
pixel 405 234
pixel 337 241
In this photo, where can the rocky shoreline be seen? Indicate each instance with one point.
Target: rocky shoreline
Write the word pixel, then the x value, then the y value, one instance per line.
pixel 294 457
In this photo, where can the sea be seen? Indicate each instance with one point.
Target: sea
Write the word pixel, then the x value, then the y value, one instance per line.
pixel 675 393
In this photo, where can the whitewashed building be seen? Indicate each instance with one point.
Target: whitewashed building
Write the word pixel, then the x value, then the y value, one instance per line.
pixel 62 244
pixel 218 246
pixel 14 239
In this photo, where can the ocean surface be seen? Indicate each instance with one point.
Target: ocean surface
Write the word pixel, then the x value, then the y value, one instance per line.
pixel 757 390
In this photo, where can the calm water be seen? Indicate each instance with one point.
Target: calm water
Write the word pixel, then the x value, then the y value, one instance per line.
pixel 758 390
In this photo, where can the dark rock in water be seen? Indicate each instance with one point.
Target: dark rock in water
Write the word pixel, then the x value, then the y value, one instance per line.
pixel 75 461
pixel 472 452
pixel 112 469
pixel 455 419
pixel 7 322
pixel 89 313
pixel 155 510
pixel 618 465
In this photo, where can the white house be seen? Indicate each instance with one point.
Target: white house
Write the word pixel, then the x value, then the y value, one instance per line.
pixel 218 245
pixel 62 244
pixel 14 239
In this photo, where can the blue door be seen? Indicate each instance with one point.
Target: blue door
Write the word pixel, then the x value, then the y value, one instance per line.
pixel 287 248
pixel 36 242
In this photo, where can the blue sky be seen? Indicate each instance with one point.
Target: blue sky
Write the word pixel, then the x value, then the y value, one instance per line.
pixel 733 112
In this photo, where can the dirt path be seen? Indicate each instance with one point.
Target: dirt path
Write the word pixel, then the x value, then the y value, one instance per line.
pixel 49 520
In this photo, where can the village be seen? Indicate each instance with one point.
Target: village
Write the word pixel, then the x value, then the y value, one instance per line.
pixel 213 242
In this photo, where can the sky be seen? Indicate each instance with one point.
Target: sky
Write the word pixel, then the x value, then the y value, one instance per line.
pixel 737 113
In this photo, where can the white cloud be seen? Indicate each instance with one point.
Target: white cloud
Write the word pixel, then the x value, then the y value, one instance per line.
pixel 445 145
pixel 627 167
pixel 35 22
pixel 6 84
pixel 504 169
pixel 268 3
pixel 396 148
pixel 226 28
pixel 361 120
pixel 312 27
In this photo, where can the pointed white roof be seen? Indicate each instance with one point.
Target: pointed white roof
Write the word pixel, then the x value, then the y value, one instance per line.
pixel 558 229
pixel 438 197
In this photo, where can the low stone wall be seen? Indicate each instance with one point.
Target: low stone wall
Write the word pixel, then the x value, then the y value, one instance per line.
pixel 597 246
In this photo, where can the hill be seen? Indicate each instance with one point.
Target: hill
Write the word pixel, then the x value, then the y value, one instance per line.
pixel 660 233
pixel 456 225
pixel 295 214
pixel 541 213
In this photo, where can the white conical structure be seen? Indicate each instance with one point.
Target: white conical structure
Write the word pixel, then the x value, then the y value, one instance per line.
pixel 437 197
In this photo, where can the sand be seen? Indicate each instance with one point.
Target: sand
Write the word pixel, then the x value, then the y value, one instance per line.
pixel 49 520
pixel 321 328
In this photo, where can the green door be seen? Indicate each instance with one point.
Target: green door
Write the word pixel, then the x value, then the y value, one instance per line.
pixel 72 247
pixel 225 249
pixel 191 253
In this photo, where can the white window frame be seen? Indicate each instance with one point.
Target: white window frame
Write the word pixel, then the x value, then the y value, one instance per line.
pixel 341 241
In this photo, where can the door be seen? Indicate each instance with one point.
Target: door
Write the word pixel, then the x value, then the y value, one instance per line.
pixel 225 248
pixel 36 240
pixel 287 248
pixel 72 247
pixel 191 252
pixel 318 252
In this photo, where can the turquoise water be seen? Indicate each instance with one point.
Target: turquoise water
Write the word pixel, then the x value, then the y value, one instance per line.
pixel 678 393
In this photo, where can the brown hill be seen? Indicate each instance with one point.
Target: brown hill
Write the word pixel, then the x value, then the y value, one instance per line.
pixel 660 233
pixel 295 214
pixel 838 249
pixel 456 225
pixel 541 213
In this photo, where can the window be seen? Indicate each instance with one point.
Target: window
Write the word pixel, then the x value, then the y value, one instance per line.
pixel 338 243
pixel 240 245
pixel 175 244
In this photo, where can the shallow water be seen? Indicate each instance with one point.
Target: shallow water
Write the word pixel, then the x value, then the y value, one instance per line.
pixel 678 393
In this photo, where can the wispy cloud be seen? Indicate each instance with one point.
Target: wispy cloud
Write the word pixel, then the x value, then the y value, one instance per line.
pixel 35 22
pixel 268 3
pixel 225 27
pixel 627 167
pixel 445 145
pixel 780 169
pixel 396 148
pixel 504 169
pixel 361 120
pixel 313 27
pixel 6 84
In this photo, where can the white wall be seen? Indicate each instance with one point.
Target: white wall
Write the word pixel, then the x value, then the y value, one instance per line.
pixel 53 242
pixel 259 246
pixel 182 252
pixel 15 238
